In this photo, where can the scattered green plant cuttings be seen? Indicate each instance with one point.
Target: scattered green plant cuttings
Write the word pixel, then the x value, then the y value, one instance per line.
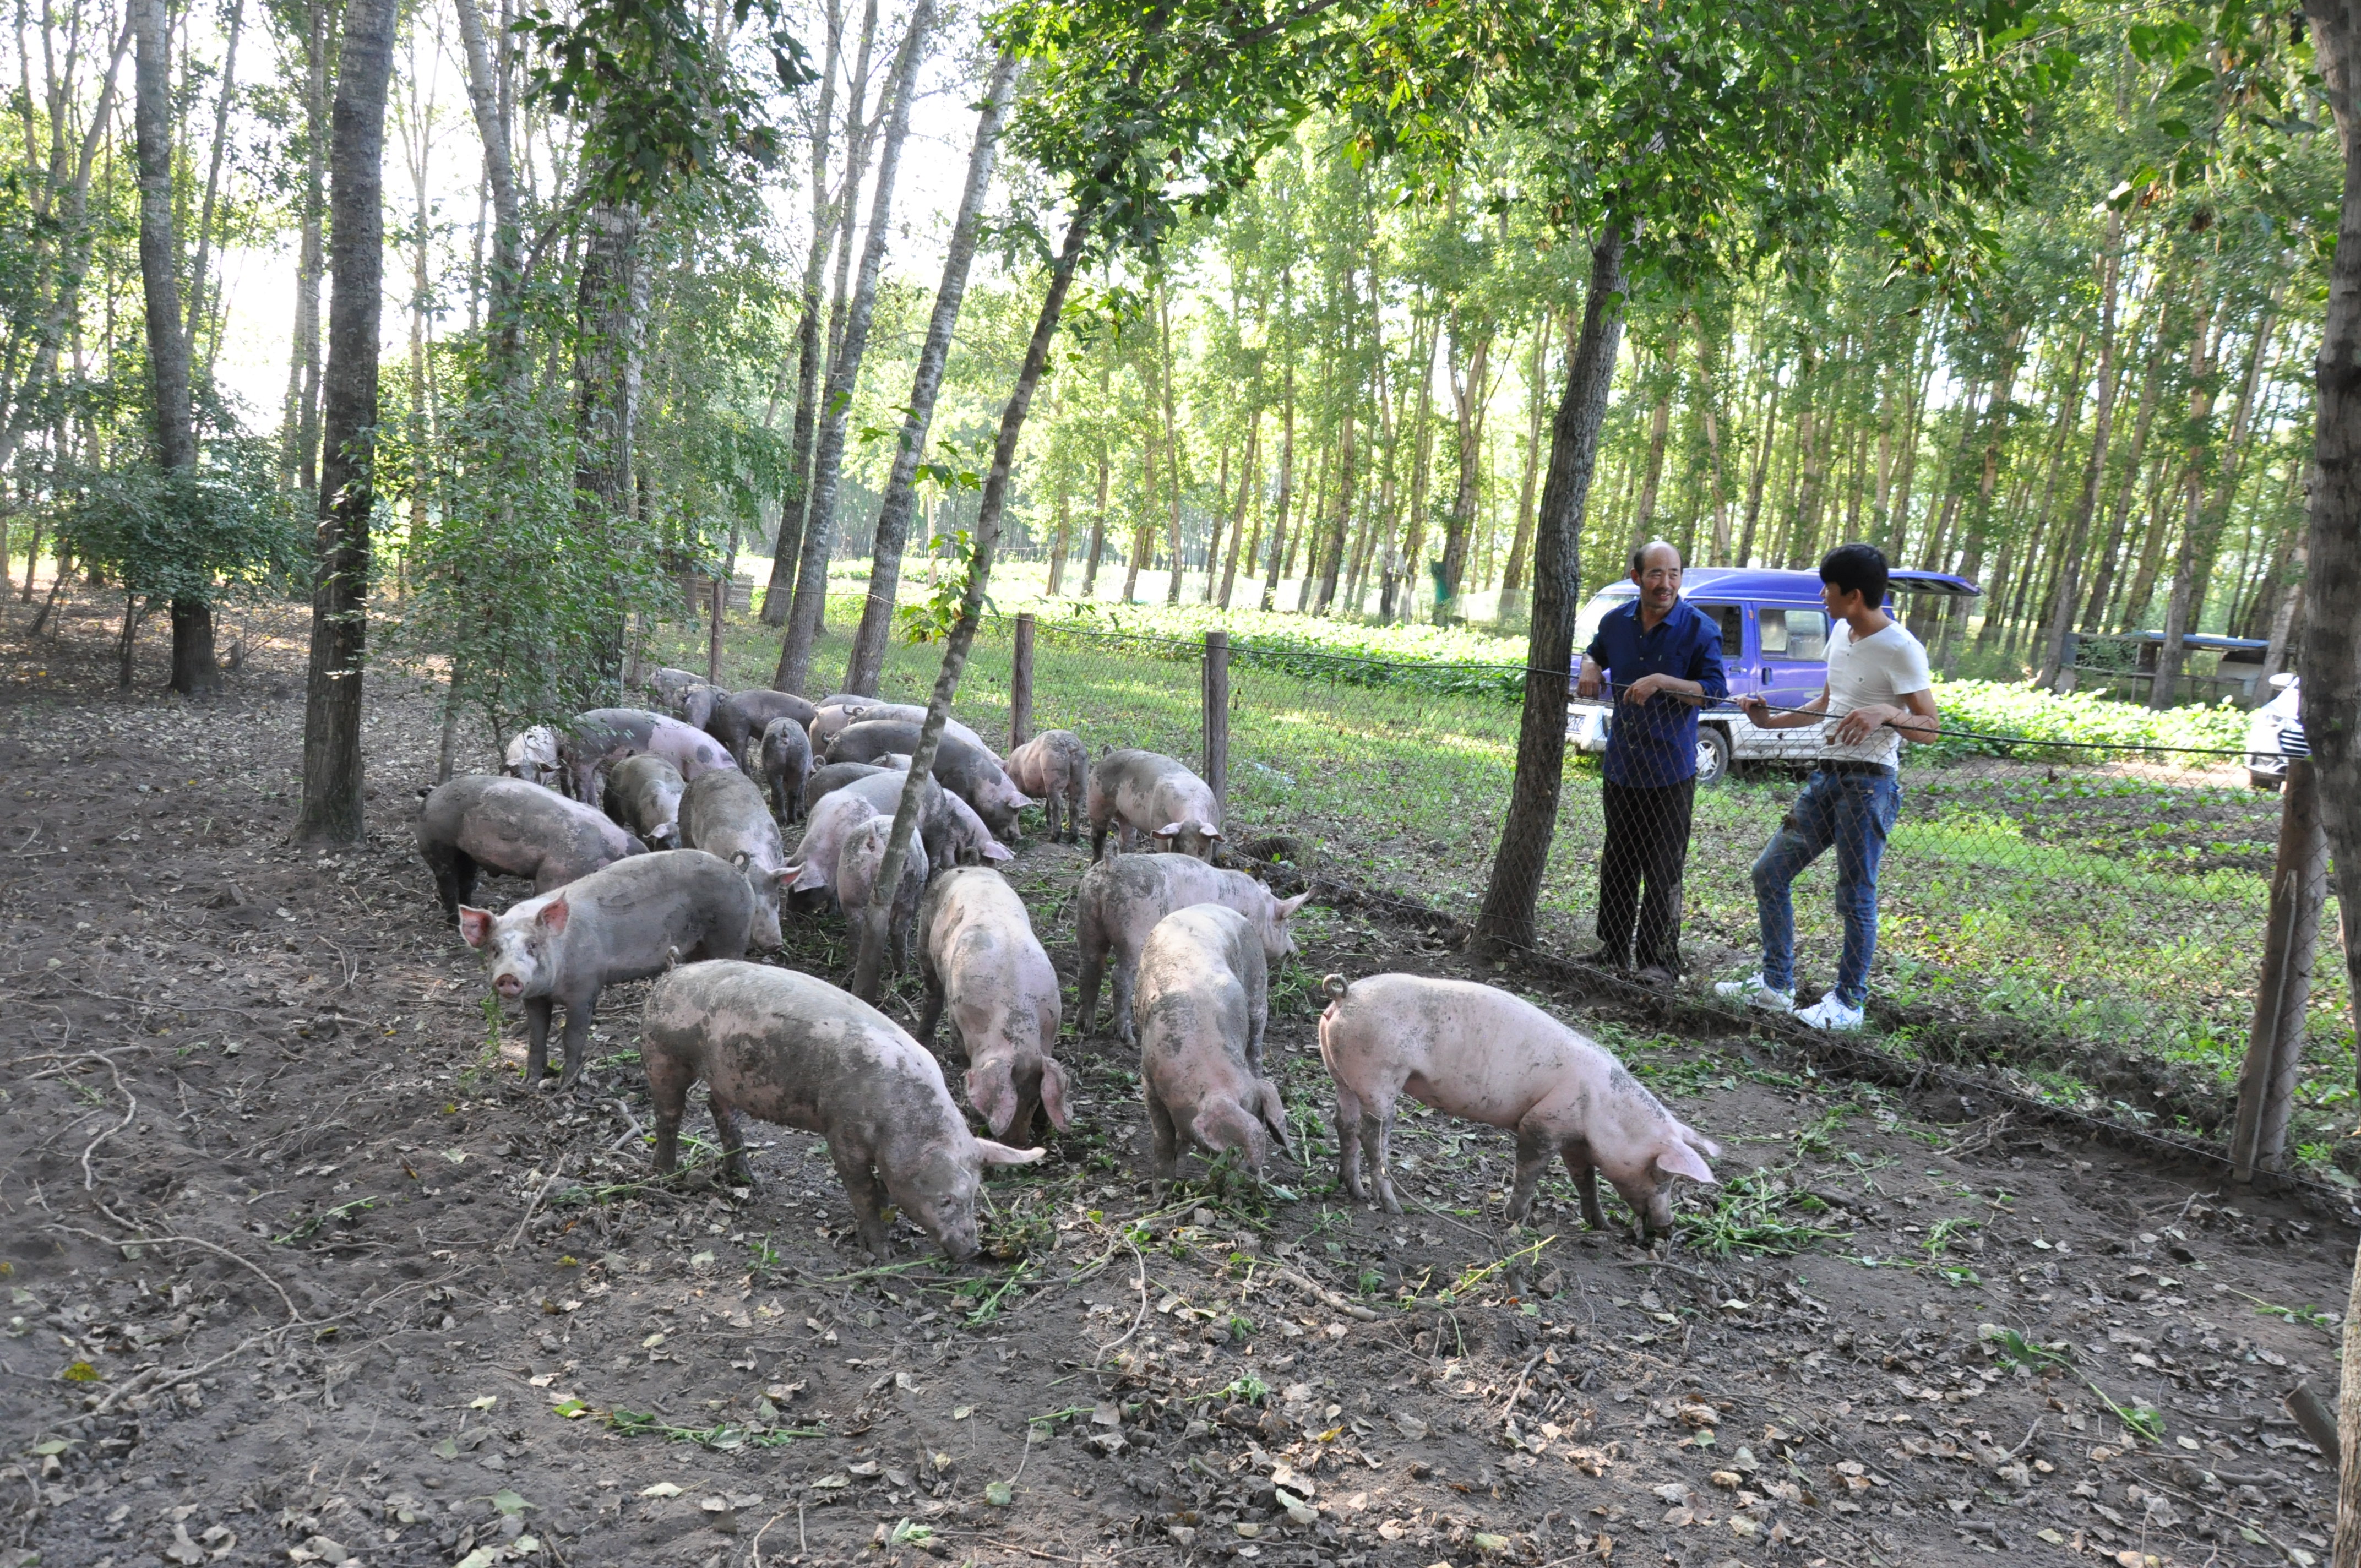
pixel 326 1216
pixel 1748 1216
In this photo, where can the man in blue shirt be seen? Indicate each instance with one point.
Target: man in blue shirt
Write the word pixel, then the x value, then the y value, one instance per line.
pixel 1661 655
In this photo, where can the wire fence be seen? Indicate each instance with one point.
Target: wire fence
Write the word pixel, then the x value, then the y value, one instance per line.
pixel 2084 924
pixel 2089 919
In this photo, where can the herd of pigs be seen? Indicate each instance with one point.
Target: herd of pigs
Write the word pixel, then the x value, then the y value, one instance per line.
pixel 654 851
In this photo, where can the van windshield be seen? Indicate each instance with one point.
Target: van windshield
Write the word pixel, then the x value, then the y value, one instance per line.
pixel 1586 625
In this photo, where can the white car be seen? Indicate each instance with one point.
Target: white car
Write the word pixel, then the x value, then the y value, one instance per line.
pixel 2275 734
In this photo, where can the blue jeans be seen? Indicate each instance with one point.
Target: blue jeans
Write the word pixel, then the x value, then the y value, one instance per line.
pixel 1854 812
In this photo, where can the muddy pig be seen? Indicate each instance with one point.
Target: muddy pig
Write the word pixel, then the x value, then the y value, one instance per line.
pixel 842 710
pixel 643 795
pixel 599 739
pixel 695 706
pixel 977 953
pixel 739 720
pixel 860 862
pixel 830 777
pixel 1472 1051
pixel 1152 796
pixel 784 759
pixel 797 1052
pixel 532 755
pixel 961 767
pixel 1204 995
pixel 503 824
pixel 1054 768
pixel 627 922
pixel 1121 900
pixel 723 813
pixel 667 684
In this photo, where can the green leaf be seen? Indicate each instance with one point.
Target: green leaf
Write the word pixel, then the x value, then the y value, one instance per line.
pixel 999 1494
pixel 81 1372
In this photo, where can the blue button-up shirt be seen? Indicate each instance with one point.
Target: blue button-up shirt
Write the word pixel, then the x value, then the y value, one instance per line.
pixel 1653 743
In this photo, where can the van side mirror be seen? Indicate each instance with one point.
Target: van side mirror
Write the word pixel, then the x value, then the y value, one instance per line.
pixel 2283 679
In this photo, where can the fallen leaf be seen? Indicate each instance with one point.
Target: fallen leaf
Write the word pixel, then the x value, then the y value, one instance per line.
pixel 999 1494
pixel 182 1549
pixel 660 1489
pixel 80 1372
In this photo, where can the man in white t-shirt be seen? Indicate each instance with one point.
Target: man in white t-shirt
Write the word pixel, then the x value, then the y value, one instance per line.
pixel 1878 695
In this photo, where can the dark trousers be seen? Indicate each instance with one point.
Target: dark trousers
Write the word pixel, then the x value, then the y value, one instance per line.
pixel 1647 842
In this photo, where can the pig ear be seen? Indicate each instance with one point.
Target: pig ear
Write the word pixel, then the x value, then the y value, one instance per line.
pixel 1207 830
pixel 1053 1095
pixel 808 876
pixel 989 1153
pixel 553 914
pixel 996 850
pixel 1676 1158
pixel 1288 907
pixel 990 1091
pixel 785 876
pixel 1170 829
pixel 475 925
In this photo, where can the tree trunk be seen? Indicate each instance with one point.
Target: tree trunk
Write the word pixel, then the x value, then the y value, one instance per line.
pixel 2331 642
pixel 1238 521
pixel 300 432
pixel 1278 541
pixel 1745 553
pixel 1468 401
pixel 2054 663
pixel 2103 584
pixel 871 951
pixel 1142 526
pixel 332 812
pixel 1507 918
pixel 222 99
pixel 787 544
pixel 868 657
pixel 194 673
pixel 1099 518
pixel 1711 419
pixel 611 306
pixel 1422 452
pixel 499 175
pixel 2176 613
pixel 1335 543
pixel 2026 546
pixel 811 601
pixel 1171 438
pixel 1512 581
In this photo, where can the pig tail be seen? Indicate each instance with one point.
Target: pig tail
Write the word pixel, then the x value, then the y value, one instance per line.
pixel 1335 986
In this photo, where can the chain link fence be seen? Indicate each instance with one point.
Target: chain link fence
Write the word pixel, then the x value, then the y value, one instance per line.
pixel 2088 921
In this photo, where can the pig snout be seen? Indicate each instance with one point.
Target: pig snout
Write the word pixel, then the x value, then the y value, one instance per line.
pixel 509 983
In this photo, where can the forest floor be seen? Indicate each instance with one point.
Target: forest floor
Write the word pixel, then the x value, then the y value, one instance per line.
pixel 298 1270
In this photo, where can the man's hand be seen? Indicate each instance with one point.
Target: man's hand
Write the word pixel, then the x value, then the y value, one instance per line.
pixel 1856 726
pixel 1592 678
pixel 1757 711
pixel 1643 688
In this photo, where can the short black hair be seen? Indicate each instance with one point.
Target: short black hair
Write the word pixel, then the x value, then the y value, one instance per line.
pixel 1856 568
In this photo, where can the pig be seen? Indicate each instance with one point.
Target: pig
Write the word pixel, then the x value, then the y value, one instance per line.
pixel 830 777
pixel 1203 997
pixel 666 685
pixel 850 709
pixel 967 842
pixel 783 758
pixel 532 755
pixel 740 720
pixel 950 832
pixel 1054 768
pixel 977 953
pixel 625 922
pixel 723 813
pixel 597 739
pixel 694 707
pixel 1121 900
pixel 794 1051
pixel 1152 796
pixel 966 769
pixel 860 862
pixel 516 828
pixel 1475 1052
pixel 643 795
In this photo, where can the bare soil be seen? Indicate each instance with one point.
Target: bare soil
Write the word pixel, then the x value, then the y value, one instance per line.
pixel 298 1270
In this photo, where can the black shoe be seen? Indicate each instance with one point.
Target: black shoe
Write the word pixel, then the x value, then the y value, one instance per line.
pixel 1656 977
pixel 1599 958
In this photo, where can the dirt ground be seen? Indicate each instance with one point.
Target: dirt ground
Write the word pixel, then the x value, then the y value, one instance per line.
pixel 298 1270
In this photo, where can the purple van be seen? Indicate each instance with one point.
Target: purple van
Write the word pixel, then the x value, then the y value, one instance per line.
pixel 1775 637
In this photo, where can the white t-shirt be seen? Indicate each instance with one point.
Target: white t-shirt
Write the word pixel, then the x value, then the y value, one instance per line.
pixel 1877 670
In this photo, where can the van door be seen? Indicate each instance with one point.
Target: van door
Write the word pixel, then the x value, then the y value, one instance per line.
pixel 1795 646
pixel 1731 618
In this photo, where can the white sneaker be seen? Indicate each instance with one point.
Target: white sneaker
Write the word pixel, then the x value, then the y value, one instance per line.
pixel 1832 1014
pixel 1754 994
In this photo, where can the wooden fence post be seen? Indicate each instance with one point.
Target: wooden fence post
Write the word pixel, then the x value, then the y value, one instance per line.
pixel 713 636
pixel 1020 683
pixel 1217 716
pixel 2290 935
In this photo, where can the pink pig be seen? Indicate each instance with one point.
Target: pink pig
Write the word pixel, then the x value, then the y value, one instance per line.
pixel 1473 1052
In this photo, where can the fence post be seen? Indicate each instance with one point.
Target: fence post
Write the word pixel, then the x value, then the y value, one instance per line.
pixel 713 638
pixel 1217 716
pixel 1020 683
pixel 2290 935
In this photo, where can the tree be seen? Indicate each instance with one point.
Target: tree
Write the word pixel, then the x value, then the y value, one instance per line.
pixel 1678 128
pixel 868 656
pixel 332 809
